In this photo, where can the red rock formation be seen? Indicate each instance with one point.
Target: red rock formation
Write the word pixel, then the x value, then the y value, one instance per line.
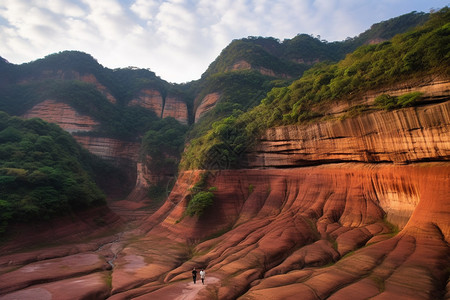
pixel 149 99
pixel 281 224
pixel 361 227
pixel 174 107
pixel 110 149
pixel 286 232
pixel 401 136
pixel 206 104
pixel 431 88
pixel 63 115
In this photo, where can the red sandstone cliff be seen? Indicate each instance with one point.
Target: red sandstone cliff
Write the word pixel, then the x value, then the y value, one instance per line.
pixel 325 231
pixel 149 99
pixel 170 106
pixel 70 120
pixel 401 136
pixel 206 104
pixel 176 108
pixel 63 115
pixel 110 149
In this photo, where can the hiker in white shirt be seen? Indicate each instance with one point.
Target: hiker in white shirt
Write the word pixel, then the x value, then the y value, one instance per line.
pixel 202 275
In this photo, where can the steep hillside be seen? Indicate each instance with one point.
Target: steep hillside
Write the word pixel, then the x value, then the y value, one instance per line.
pixel 291 57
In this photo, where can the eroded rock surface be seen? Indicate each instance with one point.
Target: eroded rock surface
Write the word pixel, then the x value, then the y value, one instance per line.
pixel 63 115
pixel 109 148
pixel 206 104
pixel 149 99
pixel 176 108
pixel 314 231
pixel 401 136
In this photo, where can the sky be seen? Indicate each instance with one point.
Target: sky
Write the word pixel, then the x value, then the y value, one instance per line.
pixel 178 39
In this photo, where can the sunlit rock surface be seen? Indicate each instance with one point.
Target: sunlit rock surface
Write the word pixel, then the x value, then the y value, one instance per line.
pixel 62 114
pixel 176 108
pixel 206 104
pixel 400 136
pixel 149 99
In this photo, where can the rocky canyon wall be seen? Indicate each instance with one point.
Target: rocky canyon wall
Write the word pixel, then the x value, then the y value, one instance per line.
pixel 62 114
pixel 400 136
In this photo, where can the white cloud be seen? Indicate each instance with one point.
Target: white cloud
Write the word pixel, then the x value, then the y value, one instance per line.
pixel 145 9
pixel 177 39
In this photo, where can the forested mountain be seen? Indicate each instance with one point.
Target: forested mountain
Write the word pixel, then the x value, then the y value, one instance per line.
pixel 417 54
pixel 258 64
pixel 293 56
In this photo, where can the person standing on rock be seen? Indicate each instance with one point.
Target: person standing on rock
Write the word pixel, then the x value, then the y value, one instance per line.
pixel 194 275
pixel 202 275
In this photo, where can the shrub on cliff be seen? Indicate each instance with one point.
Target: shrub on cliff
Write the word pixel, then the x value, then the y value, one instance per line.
pixel 201 197
pixel 199 203
pixel 388 102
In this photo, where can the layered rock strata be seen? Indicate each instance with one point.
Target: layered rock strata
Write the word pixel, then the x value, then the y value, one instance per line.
pixel 149 99
pixel 401 136
pixel 206 104
pixel 174 107
pixel 62 114
pixel 110 149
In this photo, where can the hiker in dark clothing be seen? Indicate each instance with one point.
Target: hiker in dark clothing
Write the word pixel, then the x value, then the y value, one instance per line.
pixel 194 275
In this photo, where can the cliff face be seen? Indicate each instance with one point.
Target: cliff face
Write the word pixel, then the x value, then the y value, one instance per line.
pixel 70 120
pixel 174 107
pixel 206 104
pixel 63 115
pixel 149 99
pixel 401 136
pixel 110 149
pixel 358 209
pixel 432 89
pixel 348 209
pixel 163 107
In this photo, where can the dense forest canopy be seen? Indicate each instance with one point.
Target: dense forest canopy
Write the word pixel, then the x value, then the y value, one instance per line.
pixel 43 172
